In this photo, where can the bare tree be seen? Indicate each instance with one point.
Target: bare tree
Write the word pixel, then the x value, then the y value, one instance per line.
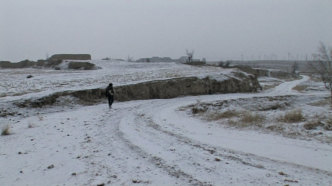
pixel 323 66
pixel 294 68
pixel 130 59
pixel 190 56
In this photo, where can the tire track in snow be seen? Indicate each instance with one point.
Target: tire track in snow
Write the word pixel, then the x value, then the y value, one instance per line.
pixel 193 158
pixel 109 154
pixel 140 120
pixel 273 167
pixel 225 153
pixel 231 154
pixel 160 163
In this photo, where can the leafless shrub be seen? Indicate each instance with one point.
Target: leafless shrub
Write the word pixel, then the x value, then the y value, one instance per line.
pixel 190 56
pixel 322 65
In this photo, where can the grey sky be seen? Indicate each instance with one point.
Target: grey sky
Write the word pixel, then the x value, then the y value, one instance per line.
pixel 215 29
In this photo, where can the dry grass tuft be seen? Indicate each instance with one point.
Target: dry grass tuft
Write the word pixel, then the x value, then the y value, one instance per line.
pixel 5 130
pixel 328 124
pixel 311 125
pixel 229 114
pixel 252 118
pixel 222 115
pixel 248 119
pixel 300 88
pixel 276 128
pixel 293 116
pixel 320 103
pixel 198 108
pixel 30 125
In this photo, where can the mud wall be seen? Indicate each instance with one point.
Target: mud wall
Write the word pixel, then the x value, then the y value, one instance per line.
pixel 161 89
pixel 21 64
pixel 172 88
pixel 74 65
pixel 57 57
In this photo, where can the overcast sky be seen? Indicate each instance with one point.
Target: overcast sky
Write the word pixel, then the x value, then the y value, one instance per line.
pixel 215 29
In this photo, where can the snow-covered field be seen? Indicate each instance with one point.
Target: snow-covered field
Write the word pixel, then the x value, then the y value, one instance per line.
pixel 14 82
pixel 159 142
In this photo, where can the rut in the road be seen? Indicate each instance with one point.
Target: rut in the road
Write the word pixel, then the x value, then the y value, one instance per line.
pixel 174 171
pixel 272 167
pixel 107 136
pixel 229 154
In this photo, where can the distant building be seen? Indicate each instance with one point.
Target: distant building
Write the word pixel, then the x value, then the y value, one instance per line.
pixel 58 57
pixel 156 59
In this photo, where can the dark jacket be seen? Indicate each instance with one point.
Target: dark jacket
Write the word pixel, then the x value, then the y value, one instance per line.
pixel 109 91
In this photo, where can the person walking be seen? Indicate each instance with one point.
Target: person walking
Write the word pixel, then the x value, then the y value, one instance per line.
pixel 110 94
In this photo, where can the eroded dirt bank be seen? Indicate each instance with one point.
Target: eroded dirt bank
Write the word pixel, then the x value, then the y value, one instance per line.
pixel 161 89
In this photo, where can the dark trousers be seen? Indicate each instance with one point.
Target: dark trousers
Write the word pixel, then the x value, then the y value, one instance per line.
pixel 110 101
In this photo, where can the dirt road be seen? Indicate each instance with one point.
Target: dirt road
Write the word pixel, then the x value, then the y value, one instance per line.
pixel 152 142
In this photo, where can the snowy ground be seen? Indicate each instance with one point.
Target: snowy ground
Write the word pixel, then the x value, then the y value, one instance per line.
pixel 156 142
pixel 13 82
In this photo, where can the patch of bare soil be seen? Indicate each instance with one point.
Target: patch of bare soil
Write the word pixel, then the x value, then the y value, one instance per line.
pixel 290 116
